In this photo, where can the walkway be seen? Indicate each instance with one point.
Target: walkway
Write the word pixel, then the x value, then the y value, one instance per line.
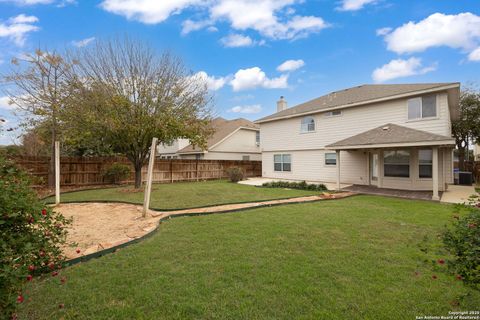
pixel 242 206
pixel 457 194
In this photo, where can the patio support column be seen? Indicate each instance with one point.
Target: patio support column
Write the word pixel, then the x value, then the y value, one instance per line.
pixel 435 173
pixel 338 169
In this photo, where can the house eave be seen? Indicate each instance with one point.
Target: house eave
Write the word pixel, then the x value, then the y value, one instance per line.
pixel 446 143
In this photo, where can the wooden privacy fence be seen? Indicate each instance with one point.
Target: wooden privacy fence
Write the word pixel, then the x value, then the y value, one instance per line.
pixel 83 171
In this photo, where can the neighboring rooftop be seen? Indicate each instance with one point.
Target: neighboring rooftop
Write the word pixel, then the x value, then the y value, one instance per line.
pixel 358 95
pixel 223 128
pixel 391 134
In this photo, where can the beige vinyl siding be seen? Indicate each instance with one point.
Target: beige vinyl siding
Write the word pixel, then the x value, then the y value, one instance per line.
pixel 224 156
pixel 310 165
pixel 172 149
pixel 242 140
pixel 286 135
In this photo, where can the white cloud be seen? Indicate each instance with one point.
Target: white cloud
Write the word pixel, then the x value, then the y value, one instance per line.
pixel 190 25
pixel 17 28
pixel 383 31
pixel 400 68
pixel 256 108
pixel 474 55
pixel 5 103
pixel 148 11
pixel 354 5
pixel 254 78
pixel 461 31
pixel 238 40
pixel 290 65
pixel 271 18
pixel 213 83
pixel 83 43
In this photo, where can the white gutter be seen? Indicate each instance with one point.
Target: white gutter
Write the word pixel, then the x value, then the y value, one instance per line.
pixel 450 142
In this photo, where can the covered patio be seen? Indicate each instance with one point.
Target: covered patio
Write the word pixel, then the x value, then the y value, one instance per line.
pixel 402 159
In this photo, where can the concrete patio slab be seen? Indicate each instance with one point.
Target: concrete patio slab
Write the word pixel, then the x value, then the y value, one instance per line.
pixel 457 194
pixel 406 194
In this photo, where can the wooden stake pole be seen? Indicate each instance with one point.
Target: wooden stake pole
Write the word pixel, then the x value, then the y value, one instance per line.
pixel 148 185
pixel 57 172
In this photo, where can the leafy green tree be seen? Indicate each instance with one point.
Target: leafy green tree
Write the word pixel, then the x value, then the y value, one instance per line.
pixel 467 128
pixel 128 95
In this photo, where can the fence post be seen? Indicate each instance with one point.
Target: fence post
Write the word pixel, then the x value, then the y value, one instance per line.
pixel 57 172
pixel 196 169
pixel 171 171
pixel 148 186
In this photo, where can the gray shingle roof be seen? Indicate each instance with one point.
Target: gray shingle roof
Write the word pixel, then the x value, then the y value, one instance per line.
pixel 391 134
pixel 222 128
pixel 355 95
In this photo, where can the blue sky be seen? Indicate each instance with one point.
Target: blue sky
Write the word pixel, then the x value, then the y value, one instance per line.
pixel 253 51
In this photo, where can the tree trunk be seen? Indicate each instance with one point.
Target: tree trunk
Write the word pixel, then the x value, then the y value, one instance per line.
pixel 138 175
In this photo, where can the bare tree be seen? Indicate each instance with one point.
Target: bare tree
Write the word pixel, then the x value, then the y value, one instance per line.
pixel 39 85
pixel 128 95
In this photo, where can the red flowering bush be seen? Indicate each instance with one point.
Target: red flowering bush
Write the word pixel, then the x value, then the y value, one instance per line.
pixel 462 241
pixel 31 236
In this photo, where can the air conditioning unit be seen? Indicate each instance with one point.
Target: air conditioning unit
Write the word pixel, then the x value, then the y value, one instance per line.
pixel 465 178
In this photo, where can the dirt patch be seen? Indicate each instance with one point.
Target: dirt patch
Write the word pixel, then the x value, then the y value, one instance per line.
pixel 97 226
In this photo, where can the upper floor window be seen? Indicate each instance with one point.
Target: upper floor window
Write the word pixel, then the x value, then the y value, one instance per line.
pixel 257 138
pixel 422 107
pixel 308 124
pixel 333 113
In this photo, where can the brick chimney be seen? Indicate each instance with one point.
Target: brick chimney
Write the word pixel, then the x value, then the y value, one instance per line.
pixel 281 104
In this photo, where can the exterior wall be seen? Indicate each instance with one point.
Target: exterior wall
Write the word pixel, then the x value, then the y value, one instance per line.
pixel 172 149
pixel 224 156
pixel 239 144
pixel 476 152
pixel 242 140
pixel 308 149
pixel 285 134
pixel 310 165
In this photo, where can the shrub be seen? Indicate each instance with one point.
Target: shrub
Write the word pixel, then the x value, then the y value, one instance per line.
pixel 295 185
pixel 31 236
pixel 116 173
pixel 462 240
pixel 236 174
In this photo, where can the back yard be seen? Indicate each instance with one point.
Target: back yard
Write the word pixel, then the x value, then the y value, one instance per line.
pixel 354 258
pixel 186 194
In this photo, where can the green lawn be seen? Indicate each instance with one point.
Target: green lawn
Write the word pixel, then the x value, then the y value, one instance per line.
pixel 353 258
pixel 187 194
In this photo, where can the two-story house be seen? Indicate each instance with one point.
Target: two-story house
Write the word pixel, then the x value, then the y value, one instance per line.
pixel 237 139
pixel 390 136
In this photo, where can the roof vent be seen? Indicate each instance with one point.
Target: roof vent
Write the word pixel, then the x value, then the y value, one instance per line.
pixel 385 128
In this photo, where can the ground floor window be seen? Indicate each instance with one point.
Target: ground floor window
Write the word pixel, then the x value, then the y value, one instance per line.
pixel 397 163
pixel 330 159
pixel 425 163
pixel 282 162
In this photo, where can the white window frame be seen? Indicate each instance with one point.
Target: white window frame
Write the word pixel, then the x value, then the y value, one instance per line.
pixel 308 124
pixel 257 138
pixel 421 109
pixel 425 164
pixel 325 159
pixel 282 162
pixel 330 114
pixel 401 164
